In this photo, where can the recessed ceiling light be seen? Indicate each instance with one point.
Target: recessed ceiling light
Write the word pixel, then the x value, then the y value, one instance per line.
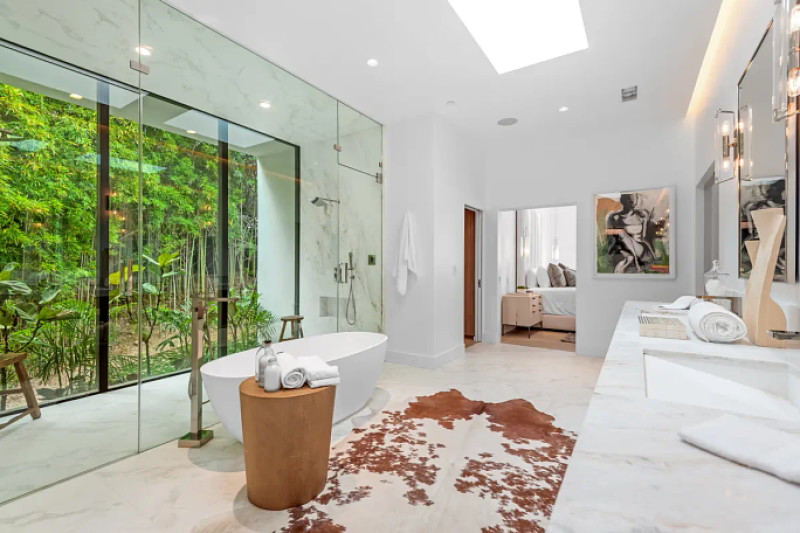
pixel 515 34
pixel 563 109
pixel 507 121
pixel 143 50
pixel 76 96
pixel 191 132
pixel 372 62
pixel 265 105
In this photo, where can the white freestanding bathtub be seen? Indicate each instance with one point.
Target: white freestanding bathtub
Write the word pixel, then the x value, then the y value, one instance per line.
pixel 358 355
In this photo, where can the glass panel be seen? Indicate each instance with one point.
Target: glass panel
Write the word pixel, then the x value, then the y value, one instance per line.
pixel 263 236
pixel 361 224
pixel 65 136
pixel 361 140
pixel 180 259
pixel 198 67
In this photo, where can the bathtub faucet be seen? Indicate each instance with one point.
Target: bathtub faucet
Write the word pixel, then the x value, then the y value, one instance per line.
pixel 198 436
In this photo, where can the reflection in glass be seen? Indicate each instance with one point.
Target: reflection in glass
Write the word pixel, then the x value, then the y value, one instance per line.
pixel 65 137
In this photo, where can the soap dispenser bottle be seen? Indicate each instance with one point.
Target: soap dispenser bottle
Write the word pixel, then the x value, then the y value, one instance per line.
pixel 268 372
pixel 715 280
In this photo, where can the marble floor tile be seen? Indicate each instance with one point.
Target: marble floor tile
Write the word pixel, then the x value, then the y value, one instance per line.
pixel 172 489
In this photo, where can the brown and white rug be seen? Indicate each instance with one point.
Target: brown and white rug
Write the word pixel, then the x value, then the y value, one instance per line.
pixel 438 463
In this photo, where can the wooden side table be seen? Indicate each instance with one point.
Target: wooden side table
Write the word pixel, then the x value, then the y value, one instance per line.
pixel 287 443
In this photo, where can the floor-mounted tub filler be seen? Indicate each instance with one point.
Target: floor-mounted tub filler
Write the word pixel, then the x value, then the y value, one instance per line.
pixel 358 355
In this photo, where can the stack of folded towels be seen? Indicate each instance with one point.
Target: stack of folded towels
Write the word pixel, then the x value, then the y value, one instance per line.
pixel 296 371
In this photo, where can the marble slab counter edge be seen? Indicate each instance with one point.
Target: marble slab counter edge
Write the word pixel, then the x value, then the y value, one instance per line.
pixel 630 472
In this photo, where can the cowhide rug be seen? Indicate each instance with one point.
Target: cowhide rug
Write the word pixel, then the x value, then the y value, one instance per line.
pixel 437 463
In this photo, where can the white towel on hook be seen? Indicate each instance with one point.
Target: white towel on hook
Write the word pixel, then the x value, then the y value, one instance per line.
pixel 407 254
pixel 747 443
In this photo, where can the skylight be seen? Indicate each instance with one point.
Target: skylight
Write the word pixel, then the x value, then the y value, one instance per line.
pixel 517 33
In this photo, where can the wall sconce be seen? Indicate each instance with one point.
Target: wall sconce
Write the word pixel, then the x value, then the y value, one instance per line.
pixel 725 146
pixel 785 59
pixel 744 143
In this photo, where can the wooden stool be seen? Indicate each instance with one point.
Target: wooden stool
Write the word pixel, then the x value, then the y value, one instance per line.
pixel 287 443
pixel 296 329
pixel 17 359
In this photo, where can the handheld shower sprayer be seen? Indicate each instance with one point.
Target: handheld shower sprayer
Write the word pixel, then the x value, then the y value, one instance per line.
pixel 350 297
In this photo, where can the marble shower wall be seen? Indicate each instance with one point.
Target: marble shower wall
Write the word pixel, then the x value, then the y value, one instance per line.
pixel 361 219
pixel 198 67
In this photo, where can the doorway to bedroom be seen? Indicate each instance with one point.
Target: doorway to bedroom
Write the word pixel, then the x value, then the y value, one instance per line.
pixel 537 265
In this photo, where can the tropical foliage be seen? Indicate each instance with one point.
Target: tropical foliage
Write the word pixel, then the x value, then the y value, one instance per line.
pixel 48 244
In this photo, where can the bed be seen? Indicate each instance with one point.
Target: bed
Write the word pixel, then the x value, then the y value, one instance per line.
pixel 558 307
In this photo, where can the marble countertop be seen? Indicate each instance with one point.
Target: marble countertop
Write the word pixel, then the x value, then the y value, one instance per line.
pixel 630 472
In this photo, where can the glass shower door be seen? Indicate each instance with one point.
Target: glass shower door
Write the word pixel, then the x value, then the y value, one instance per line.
pixel 360 221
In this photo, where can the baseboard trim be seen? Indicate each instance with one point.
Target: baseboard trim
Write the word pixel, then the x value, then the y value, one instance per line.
pixel 425 361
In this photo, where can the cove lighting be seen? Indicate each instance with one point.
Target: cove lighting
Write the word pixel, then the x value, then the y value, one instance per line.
pixel 515 34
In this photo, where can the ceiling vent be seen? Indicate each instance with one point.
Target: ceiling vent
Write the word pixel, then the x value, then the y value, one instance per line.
pixel 629 94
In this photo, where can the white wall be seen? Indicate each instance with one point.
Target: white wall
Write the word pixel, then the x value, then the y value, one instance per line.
pixel 276 232
pixel 432 171
pixel 408 188
pixel 506 253
pixel 740 35
pixel 568 169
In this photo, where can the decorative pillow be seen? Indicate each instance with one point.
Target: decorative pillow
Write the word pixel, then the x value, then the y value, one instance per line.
pixel 570 274
pixel 556 276
pixel 542 279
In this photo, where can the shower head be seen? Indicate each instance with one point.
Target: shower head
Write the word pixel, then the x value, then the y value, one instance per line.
pixel 322 202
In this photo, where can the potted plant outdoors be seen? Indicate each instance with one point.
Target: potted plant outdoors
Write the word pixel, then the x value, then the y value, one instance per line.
pixel 23 313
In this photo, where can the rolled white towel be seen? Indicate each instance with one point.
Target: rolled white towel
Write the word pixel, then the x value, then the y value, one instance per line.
pixel 712 323
pixel 747 443
pixel 324 382
pixel 681 304
pixel 317 369
pixel 293 376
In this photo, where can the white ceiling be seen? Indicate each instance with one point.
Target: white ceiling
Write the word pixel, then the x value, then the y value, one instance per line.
pixel 427 57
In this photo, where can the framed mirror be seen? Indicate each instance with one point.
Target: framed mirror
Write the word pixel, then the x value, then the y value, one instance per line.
pixel 767 164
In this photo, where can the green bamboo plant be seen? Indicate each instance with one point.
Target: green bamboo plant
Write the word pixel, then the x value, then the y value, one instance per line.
pixel 23 313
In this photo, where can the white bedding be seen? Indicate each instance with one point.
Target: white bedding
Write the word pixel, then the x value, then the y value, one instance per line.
pixel 557 300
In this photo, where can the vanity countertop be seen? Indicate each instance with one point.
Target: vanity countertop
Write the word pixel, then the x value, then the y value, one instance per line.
pixel 630 472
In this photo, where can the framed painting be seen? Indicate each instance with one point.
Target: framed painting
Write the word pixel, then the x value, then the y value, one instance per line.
pixel 634 234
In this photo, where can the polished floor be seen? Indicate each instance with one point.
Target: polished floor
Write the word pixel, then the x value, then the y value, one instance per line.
pixel 85 433
pixel 172 489
pixel 539 338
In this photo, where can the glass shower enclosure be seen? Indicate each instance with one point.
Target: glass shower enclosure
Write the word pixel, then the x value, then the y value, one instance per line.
pixel 142 165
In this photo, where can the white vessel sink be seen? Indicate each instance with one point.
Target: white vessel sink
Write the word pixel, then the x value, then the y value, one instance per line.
pixel 744 386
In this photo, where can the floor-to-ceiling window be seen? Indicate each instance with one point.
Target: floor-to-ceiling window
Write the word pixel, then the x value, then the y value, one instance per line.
pixel 116 208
